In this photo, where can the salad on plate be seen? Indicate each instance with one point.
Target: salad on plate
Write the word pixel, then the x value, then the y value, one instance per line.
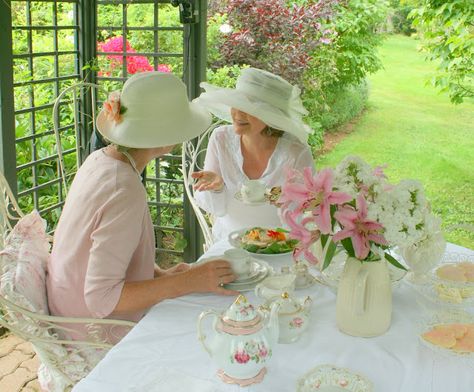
pixel 266 241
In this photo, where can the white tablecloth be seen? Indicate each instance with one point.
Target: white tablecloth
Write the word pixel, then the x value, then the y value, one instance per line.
pixel 163 348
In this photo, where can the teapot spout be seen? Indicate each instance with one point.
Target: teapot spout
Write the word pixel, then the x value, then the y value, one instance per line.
pixel 273 324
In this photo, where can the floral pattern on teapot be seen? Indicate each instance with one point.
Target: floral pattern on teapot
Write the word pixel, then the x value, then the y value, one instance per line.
pixel 297 322
pixel 252 351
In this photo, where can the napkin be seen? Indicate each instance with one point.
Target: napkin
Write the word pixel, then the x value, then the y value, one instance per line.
pixel 171 380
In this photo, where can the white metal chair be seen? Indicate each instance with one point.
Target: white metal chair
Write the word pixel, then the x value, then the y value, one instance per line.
pixel 74 96
pixel 193 154
pixel 64 361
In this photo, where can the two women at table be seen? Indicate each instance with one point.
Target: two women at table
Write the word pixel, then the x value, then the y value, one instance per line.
pixel 103 259
pixel 266 137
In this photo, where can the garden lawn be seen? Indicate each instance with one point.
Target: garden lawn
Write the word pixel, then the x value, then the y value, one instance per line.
pixel 419 134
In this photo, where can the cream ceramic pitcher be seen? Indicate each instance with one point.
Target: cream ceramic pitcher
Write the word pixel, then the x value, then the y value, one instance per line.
pixel 364 298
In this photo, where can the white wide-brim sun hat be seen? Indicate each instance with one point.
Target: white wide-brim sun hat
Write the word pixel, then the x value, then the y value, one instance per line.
pixel 156 113
pixel 261 94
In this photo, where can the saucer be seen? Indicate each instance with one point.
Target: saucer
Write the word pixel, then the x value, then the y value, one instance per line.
pixel 238 196
pixel 263 270
pixel 333 378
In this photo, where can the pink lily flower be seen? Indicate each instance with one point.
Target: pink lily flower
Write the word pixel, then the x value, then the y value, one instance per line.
pixel 316 195
pixel 305 236
pixel 360 229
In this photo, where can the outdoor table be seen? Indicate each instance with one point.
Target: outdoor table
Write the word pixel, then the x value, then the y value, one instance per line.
pixel 166 340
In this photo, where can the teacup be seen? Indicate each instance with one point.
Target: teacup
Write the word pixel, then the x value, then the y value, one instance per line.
pixel 239 260
pixel 274 286
pixel 252 191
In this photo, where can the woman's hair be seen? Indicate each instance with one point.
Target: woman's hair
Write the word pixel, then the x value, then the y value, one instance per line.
pixel 269 131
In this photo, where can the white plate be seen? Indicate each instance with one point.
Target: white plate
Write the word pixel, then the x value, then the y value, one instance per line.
pixel 331 378
pixel 238 196
pixel 235 239
pixel 332 274
pixel 430 292
pixel 451 316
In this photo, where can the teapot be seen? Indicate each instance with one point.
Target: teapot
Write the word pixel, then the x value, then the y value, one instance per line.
pixel 293 316
pixel 243 341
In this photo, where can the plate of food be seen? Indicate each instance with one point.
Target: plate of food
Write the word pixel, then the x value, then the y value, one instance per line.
pixel 450 333
pixel 263 241
pixel 452 282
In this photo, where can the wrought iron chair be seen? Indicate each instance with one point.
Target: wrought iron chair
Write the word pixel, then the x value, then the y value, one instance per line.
pixel 64 361
pixel 193 153
pixel 75 96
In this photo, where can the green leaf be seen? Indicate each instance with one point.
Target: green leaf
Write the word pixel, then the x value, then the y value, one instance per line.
pixel 347 244
pixel 394 261
pixel 329 254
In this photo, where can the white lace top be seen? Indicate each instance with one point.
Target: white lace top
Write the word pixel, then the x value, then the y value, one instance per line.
pixel 224 156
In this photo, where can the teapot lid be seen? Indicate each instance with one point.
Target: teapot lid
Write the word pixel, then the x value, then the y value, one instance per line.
pixel 288 305
pixel 240 310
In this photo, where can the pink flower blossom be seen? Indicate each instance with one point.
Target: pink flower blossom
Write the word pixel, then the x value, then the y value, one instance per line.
pixel 112 107
pixel 297 322
pixel 241 357
pixel 315 195
pixel 262 351
pixel 357 227
pixel 164 68
pixel 135 64
pixel 305 236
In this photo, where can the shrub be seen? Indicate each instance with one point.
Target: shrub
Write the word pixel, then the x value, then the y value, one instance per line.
pixel 270 35
pixel 447 31
pixel 400 21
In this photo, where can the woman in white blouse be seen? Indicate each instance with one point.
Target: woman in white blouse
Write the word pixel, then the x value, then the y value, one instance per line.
pixel 267 136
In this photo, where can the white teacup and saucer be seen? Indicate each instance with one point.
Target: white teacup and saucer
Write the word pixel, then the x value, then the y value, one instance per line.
pixel 252 192
pixel 240 262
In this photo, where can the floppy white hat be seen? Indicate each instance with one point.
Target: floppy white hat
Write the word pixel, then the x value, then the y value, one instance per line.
pixel 261 94
pixel 151 111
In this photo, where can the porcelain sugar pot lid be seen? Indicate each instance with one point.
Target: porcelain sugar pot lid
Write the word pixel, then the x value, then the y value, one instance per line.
pixel 241 311
pixel 287 304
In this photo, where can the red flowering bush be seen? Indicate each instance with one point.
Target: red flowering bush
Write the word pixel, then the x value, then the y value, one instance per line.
pixel 269 34
pixel 135 63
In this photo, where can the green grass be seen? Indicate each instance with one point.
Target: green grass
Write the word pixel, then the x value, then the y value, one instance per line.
pixel 419 134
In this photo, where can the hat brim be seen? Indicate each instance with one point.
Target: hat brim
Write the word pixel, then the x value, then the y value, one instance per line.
pixel 177 128
pixel 219 101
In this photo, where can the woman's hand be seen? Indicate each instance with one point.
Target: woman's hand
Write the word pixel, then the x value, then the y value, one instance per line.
pixel 181 267
pixel 211 277
pixel 207 181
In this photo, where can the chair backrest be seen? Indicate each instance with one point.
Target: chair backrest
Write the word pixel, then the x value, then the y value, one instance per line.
pixel 23 258
pixel 10 211
pixel 76 97
pixel 193 155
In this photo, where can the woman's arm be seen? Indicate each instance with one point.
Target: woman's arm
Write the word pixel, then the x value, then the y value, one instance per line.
pixel 210 188
pixel 206 277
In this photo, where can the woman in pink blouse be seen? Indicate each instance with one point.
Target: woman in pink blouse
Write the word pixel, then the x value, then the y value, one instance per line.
pixel 103 259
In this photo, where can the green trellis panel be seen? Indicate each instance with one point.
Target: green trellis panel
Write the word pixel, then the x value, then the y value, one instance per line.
pixel 85 29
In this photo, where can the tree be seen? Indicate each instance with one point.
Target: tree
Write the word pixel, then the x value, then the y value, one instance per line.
pixel 447 29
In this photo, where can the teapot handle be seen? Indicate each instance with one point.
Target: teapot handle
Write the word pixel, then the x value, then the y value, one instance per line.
pixel 361 291
pixel 201 336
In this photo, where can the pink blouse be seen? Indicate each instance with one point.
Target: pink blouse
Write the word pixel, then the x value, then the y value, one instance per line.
pixel 104 238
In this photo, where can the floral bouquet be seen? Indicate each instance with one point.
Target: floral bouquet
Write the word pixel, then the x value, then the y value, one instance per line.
pixel 354 205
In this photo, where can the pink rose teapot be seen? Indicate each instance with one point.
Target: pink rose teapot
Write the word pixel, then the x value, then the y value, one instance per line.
pixel 243 340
